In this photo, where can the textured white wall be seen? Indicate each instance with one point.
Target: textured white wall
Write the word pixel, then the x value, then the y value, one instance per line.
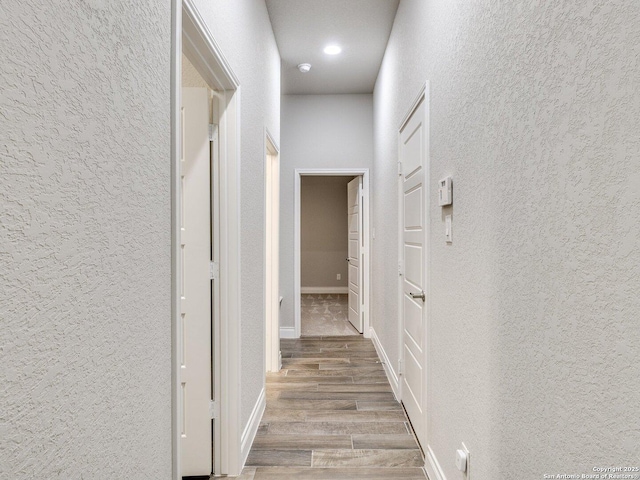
pixel 324 233
pixel 85 343
pixel 534 328
pixel 190 76
pixel 243 30
pixel 318 131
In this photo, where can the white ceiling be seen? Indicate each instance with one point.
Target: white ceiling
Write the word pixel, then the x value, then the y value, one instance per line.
pixel 304 27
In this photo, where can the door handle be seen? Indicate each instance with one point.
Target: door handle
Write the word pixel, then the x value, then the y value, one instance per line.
pixel 347 259
pixel 417 295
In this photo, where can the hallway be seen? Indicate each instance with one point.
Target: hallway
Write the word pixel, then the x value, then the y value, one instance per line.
pixel 331 414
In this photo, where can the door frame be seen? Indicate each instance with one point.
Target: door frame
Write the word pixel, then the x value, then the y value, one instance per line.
pixel 366 274
pixel 423 95
pixel 272 283
pixel 189 31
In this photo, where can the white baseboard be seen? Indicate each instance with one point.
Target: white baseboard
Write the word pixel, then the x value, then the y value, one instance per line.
pixel 288 332
pixel 325 290
pixel 432 467
pixel 251 429
pixel 388 367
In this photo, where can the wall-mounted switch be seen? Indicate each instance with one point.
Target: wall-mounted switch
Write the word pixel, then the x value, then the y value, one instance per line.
pixel 461 460
pixel 445 191
pixel 338 276
pixel 448 229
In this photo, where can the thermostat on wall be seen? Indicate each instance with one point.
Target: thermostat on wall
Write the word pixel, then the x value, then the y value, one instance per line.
pixel 444 192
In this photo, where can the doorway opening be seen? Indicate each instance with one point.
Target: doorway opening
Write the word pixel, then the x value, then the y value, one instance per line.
pixel 331 252
pixel 205 255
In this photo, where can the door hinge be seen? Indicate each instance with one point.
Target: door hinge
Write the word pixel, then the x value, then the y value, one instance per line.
pixel 400 367
pixel 400 268
pixel 214 270
pixel 214 409
pixel 399 168
pixel 213 132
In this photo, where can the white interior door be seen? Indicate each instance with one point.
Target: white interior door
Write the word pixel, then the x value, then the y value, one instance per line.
pixel 412 180
pixel 195 371
pixel 355 250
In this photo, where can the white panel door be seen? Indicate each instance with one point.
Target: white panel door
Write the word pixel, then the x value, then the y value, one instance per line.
pixel 354 202
pixel 413 160
pixel 195 371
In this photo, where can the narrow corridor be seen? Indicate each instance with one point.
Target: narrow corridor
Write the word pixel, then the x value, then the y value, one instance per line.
pixel 331 414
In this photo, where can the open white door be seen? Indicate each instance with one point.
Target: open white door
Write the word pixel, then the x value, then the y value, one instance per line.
pixel 412 181
pixel 195 320
pixel 354 202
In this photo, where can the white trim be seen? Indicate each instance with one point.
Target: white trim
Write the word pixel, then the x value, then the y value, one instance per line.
pixel 250 431
pixel 325 290
pixel 432 466
pixel 271 252
pixel 271 139
pixel 392 376
pixel 191 35
pixel 230 308
pixel 299 172
pixel 424 92
pixel 200 43
pixel 176 83
pixel 288 332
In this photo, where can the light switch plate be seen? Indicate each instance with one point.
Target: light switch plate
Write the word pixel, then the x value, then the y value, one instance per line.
pixel 445 192
pixel 448 229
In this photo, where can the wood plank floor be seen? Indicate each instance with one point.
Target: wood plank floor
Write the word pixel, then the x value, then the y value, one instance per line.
pixel 331 414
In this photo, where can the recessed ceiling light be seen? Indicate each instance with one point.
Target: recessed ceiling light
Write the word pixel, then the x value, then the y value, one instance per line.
pixel 332 49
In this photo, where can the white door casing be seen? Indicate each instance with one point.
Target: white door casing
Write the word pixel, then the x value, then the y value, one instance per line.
pixel 272 249
pixel 195 319
pixel 216 354
pixel 191 35
pixel 413 155
pixel 354 219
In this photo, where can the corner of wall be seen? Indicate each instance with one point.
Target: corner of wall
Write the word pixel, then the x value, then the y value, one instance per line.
pixel 392 376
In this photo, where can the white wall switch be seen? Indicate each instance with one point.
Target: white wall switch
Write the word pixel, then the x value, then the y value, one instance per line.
pixel 445 193
pixel 338 276
pixel 448 229
pixel 461 460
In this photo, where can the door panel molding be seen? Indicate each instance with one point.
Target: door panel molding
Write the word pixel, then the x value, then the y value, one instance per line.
pixel 414 203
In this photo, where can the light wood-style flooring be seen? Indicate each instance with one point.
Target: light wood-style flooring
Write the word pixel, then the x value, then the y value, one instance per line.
pixel 331 414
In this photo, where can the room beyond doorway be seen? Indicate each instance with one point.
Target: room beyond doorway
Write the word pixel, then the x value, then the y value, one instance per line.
pixel 324 267
pixel 331 252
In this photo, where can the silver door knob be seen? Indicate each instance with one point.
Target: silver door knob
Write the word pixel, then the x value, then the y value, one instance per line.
pixel 417 295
